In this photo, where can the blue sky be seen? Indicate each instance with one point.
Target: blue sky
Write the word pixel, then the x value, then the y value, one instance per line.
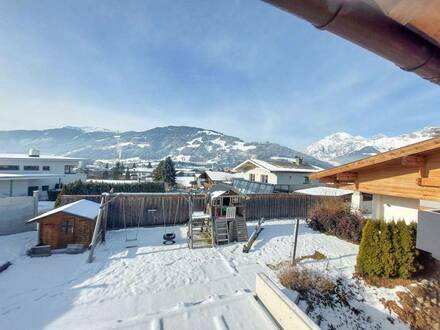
pixel 241 67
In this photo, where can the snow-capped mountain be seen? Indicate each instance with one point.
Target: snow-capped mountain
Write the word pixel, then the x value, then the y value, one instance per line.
pixel 182 143
pixel 340 148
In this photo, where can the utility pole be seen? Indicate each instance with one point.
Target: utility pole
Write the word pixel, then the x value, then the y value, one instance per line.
pixel 295 242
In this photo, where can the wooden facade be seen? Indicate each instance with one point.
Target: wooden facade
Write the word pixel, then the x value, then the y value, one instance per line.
pixel 60 229
pixel 410 172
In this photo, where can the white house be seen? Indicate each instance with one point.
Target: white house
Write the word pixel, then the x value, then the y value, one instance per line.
pixel 277 171
pixel 21 174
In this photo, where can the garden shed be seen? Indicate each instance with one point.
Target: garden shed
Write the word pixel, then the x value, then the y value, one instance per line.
pixel 72 223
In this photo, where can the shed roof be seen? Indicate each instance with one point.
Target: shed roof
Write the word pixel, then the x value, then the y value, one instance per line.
pixel 420 148
pixel 82 208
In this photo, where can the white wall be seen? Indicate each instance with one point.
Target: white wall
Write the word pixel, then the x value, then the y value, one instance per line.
pixel 272 178
pixel 395 208
pixel 14 212
pixel 291 178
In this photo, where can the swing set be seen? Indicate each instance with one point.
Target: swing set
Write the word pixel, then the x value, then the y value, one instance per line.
pixel 169 237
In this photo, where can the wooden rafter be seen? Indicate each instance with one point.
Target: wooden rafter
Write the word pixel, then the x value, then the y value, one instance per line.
pixel 413 161
pixel 347 177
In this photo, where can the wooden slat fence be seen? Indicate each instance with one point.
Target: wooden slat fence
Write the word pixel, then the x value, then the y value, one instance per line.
pixel 280 205
pixel 148 210
pixel 174 208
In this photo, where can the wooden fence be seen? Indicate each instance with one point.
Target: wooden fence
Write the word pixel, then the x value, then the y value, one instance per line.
pixel 152 209
pixel 147 210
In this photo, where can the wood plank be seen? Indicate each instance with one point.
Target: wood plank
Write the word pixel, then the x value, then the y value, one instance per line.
pixel 429 182
pixel 421 16
pixel 413 161
pixel 347 177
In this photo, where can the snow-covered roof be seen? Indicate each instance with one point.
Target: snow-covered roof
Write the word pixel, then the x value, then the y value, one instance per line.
pixel 43 157
pixel 219 176
pixel 218 193
pixel 324 191
pixel 82 208
pixel 279 166
pixel 11 176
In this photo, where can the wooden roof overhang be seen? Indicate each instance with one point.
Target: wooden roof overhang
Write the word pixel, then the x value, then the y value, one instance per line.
pixel 406 32
pixel 412 172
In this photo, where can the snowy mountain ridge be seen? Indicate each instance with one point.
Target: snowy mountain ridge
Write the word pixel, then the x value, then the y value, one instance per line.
pixel 342 147
pixel 182 143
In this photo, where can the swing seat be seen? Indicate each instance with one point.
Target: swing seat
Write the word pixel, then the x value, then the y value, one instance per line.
pixel 169 238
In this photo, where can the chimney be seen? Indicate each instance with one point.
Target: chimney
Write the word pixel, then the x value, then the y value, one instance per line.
pixel 34 153
pixel 298 160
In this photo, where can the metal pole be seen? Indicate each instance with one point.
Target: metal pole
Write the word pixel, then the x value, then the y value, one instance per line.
pixel 295 243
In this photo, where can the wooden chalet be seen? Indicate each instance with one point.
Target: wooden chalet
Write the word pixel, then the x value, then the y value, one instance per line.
pixel 70 224
pixel 405 184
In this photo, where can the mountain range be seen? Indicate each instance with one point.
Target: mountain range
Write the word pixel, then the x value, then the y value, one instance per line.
pixel 341 148
pixel 184 144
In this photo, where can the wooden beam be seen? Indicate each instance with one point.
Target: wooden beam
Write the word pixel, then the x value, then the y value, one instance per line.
pixel 329 180
pixel 413 161
pixel 347 177
pixel 428 182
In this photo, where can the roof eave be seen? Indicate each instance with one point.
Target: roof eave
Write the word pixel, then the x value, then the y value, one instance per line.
pixel 416 148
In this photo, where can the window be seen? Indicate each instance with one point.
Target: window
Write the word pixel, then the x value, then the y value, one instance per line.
pixel 45 188
pixel 264 178
pixel 46 168
pixel 306 180
pixel 67 227
pixel 69 169
pixel 9 168
pixel 31 190
pixel 251 177
pixel 31 168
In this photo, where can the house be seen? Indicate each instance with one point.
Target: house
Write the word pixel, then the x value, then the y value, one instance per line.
pixel 404 183
pixel 278 171
pixel 21 174
pixel 70 224
pixel 211 178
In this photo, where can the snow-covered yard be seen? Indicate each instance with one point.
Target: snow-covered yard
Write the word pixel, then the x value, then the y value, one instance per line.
pixel 156 286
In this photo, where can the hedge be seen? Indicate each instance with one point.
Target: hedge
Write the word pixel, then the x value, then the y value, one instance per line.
pixel 97 188
pixel 333 216
pixel 388 249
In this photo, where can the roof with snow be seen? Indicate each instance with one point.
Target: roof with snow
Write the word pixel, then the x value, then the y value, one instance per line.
pixel 324 191
pixel 13 176
pixel 277 165
pixel 219 176
pixel 42 157
pixel 82 208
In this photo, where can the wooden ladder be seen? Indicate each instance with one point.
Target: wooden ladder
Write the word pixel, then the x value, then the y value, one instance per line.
pixel 200 233
pixel 241 228
pixel 221 231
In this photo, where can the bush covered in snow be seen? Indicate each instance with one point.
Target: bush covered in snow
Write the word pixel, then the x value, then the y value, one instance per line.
pixel 388 249
pixel 333 216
